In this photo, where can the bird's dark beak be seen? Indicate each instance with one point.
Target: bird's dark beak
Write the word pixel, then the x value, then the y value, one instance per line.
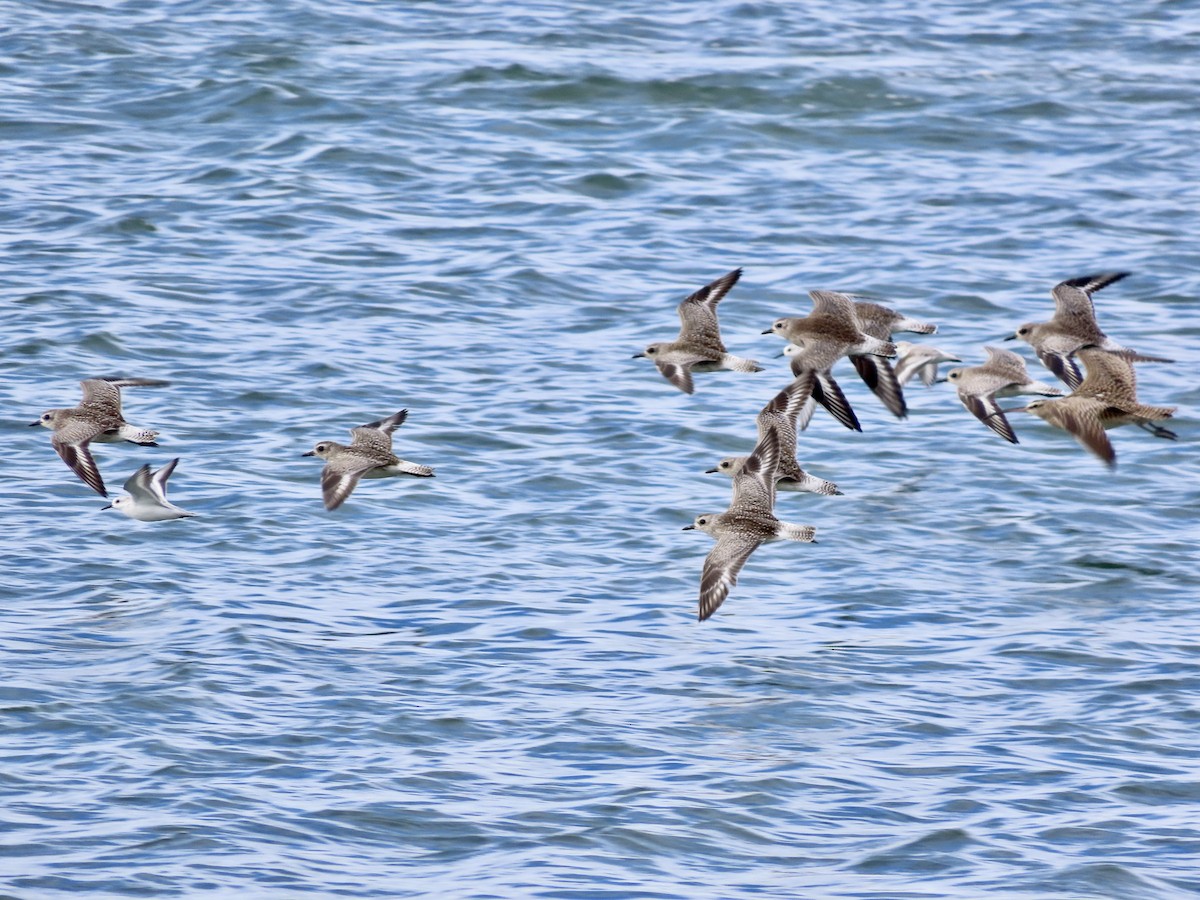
pixel 779 354
pixel 103 508
pixel 635 356
pixel 38 422
pixel 689 527
pixel 769 331
pixel 309 453
pixel 711 471
pixel 1011 337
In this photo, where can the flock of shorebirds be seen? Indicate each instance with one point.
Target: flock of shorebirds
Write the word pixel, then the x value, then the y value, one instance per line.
pixel 98 418
pixel 842 325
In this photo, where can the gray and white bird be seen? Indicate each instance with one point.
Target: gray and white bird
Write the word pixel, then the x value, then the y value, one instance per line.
pixel 147 500
pixel 819 340
pixel 748 522
pixel 699 347
pixel 98 419
pixel 368 456
pixel 1003 375
pixel 779 415
pixel 1107 398
pixel 920 360
pixel 1073 327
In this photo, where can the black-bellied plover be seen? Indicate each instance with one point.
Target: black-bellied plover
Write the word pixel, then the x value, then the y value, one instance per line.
pixel 1073 326
pixel 147 500
pixel 921 360
pixel 819 340
pixel 699 347
pixel 1003 375
pixel 368 456
pixel 748 522
pixel 779 415
pixel 1107 398
pixel 97 418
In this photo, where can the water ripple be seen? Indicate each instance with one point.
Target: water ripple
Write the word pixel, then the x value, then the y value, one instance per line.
pixel 978 683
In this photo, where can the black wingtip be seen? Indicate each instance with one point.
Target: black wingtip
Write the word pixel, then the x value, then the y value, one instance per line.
pixel 1096 281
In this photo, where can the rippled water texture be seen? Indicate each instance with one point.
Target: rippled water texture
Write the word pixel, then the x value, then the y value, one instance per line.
pixel 981 681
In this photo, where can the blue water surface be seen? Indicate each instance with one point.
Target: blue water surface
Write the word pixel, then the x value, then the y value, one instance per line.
pixel 982 680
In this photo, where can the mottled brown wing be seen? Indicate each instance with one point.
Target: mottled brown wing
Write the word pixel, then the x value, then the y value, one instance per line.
pixel 79 458
pixel 834 304
pixel 1073 297
pixel 721 568
pixel 340 476
pixel 1084 425
pixel 985 408
pixel 754 483
pixel 698 313
pixel 371 438
pixel 1109 375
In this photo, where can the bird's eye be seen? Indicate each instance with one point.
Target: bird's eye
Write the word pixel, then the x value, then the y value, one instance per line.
pixel 651 350
pixel 778 326
pixel 1022 331
pixel 702 521
pixel 725 465
pixel 46 417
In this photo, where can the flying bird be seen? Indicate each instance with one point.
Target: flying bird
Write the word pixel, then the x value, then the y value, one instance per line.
pixel 368 456
pixel 97 418
pixel 1106 399
pixel 748 522
pixel 699 347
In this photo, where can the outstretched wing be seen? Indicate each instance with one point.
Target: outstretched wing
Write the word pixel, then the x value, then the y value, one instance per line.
pixel 835 304
pixel 754 483
pixel 158 481
pixel 340 476
pixel 1062 365
pixel 698 313
pixel 829 394
pixel 784 407
pixel 985 408
pixel 1073 297
pixel 1109 375
pixel 79 458
pixel 877 373
pixel 105 393
pixel 388 425
pixel 138 484
pixel 677 369
pixel 377 436
pixel 1083 423
pixel 721 568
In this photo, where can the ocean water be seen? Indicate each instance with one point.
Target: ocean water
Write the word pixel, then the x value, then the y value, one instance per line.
pixel 982 681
